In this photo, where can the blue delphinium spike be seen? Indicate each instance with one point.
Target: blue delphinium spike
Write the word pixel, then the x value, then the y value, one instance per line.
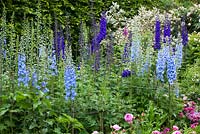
pixel 125 56
pixel 53 70
pixel 179 55
pixel 171 69
pixel 23 74
pixel 35 80
pixel 157 45
pixel 70 82
pixel 163 55
pixel 135 50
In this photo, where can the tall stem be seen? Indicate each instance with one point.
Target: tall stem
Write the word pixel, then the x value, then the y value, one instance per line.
pixel 169 118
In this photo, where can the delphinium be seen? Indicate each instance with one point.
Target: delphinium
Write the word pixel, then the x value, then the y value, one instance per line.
pixel 184 33
pixel 179 54
pixel 53 69
pixel 23 73
pixel 70 82
pixel 69 76
pixel 160 66
pixel 95 48
pixel 147 61
pixel 171 69
pixel 157 44
pixel 167 31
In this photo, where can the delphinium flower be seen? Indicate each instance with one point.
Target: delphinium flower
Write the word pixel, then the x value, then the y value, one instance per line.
pixel 135 50
pixel 53 70
pixel 102 33
pixel 126 73
pixel 125 56
pixel 44 86
pixel 70 82
pixel 157 44
pixel 160 66
pixel 35 80
pixel 23 74
pixel 184 32
pixel 179 55
pixel 167 31
pixel 60 45
pixel 171 69
pixel 147 61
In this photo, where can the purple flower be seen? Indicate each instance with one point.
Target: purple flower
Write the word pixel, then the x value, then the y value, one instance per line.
pixel 157 45
pixel 184 33
pixel 101 35
pixel 126 73
pixel 167 31
pixel 23 73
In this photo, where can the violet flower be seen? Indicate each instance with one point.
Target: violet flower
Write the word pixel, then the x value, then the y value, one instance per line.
pixel 157 45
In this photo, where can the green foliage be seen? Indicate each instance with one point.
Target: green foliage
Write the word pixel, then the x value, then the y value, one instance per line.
pixel 29 111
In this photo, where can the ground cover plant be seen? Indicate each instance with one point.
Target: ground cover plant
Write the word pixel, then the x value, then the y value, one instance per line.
pixel 136 74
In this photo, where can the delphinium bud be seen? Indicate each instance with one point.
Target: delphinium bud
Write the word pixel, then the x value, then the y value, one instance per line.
pixel 70 82
pixel 157 44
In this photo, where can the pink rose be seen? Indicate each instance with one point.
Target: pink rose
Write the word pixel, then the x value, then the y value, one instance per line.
pixel 116 127
pixel 156 132
pixel 175 128
pixel 176 132
pixel 181 115
pixel 129 118
pixel 194 125
pixel 95 132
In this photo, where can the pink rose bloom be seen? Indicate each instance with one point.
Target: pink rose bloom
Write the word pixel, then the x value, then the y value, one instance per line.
pixel 181 115
pixel 176 132
pixel 129 118
pixel 95 132
pixel 175 128
pixel 156 132
pixel 116 127
pixel 194 125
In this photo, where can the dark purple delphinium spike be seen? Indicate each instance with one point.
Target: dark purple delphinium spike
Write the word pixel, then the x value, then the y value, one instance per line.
pixel 102 33
pixel 62 43
pixel 167 31
pixel 157 45
pixel 184 32
pixel 126 73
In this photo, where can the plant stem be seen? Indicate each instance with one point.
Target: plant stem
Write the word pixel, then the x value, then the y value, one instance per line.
pixel 169 92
